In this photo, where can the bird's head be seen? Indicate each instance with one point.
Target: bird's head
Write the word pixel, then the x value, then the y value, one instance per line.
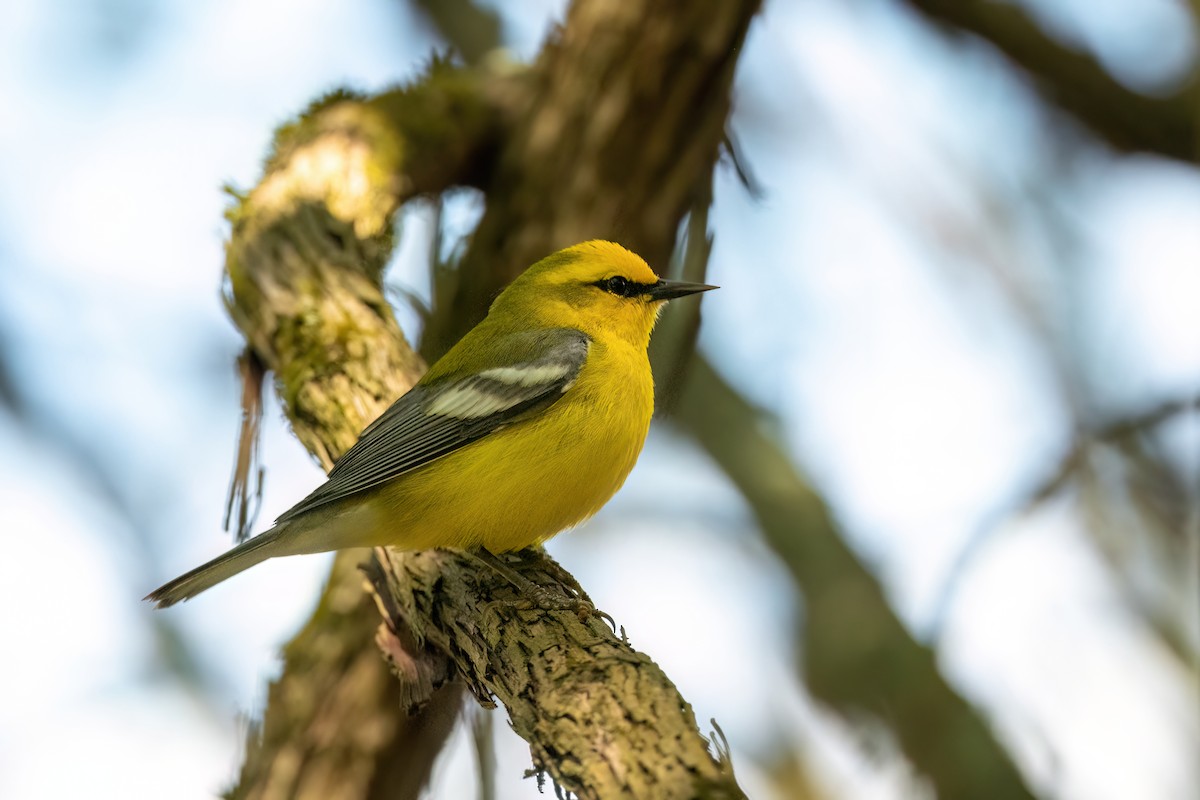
pixel 596 287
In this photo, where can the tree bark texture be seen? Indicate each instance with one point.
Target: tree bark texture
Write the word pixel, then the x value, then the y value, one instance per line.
pixel 602 720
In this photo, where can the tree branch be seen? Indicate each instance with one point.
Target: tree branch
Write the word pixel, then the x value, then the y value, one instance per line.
pixel 1112 432
pixel 470 30
pixel 858 655
pixel 1076 82
pixel 601 719
pixel 304 262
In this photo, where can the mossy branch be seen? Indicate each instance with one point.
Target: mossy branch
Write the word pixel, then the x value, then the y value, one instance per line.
pixel 304 262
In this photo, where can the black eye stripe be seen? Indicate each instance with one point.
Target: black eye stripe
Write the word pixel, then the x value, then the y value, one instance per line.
pixel 623 287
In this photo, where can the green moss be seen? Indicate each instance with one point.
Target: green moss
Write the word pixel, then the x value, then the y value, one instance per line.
pixel 305 126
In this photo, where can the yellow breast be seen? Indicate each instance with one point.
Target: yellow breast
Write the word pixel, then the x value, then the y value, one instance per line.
pixel 512 489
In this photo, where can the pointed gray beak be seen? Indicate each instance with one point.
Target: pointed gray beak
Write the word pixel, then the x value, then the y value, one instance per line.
pixel 669 290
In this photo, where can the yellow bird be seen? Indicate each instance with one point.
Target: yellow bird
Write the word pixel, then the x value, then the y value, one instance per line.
pixel 524 428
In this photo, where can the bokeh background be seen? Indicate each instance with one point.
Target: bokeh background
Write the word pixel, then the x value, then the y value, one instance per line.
pixel 976 328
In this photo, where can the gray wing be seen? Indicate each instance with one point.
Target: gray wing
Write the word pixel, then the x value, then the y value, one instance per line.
pixel 433 420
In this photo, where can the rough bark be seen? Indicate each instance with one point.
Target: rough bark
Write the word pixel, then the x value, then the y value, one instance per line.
pixel 602 720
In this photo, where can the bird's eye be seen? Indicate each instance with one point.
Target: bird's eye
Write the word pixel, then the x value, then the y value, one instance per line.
pixel 618 285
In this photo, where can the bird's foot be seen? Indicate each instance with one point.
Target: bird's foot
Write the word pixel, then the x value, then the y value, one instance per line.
pixel 533 596
pixel 538 597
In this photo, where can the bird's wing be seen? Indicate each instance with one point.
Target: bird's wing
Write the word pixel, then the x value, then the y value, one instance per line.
pixel 433 420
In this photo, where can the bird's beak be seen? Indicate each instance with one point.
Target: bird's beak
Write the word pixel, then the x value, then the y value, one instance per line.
pixel 669 290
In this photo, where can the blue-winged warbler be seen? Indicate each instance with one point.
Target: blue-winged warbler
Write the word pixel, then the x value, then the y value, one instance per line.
pixel 524 428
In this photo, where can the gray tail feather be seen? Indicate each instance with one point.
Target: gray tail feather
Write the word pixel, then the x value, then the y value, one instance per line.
pixel 205 576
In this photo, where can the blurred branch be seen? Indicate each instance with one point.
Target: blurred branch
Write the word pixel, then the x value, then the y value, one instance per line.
pixel 470 30
pixel 1114 432
pixel 242 504
pixel 788 771
pixel 1076 82
pixel 741 166
pixel 858 655
pixel 1141 511
pixel 1076 467
pixel 601 719
pixel 10 399
pixel 674 341
pixel 484 741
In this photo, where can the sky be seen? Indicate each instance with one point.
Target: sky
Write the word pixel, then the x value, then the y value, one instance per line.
pixel 898 375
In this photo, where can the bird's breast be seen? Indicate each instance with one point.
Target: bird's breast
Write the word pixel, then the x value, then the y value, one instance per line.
pixel 524 483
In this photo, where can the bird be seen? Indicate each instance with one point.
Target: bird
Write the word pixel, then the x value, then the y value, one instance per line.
pixel 526 427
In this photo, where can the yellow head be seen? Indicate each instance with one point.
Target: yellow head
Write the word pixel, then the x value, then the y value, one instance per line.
pixel 596 287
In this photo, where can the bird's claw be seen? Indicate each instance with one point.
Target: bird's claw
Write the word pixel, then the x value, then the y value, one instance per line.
pixel 536 597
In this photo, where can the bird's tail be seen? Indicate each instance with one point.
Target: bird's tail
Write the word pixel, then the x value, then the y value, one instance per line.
pixel 205 576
